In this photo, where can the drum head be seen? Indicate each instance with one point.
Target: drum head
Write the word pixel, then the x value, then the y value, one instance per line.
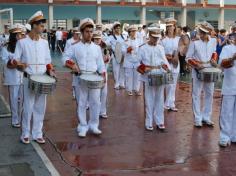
pixel 91 77
pixel 42 79
pixel 211 70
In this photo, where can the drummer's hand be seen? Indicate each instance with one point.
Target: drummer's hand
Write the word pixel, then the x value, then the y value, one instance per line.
pixel 52 73
pixel 213 63
pixel 75 69
pixel 199 67
pixel 21 66
pixel 129 49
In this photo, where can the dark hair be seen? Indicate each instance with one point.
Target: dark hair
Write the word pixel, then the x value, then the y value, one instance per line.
pixel 12 42
pixel 185 29
pixel 217 31
pixel 179 27
pixel 144 26
pixel 222 31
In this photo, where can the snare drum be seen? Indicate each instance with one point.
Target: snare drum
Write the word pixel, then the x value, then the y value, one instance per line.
pixel 210 74
pixel 160 79
pixel 42 84
pixel 92 81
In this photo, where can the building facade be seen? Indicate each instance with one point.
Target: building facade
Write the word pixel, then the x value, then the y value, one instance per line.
pixel 67 13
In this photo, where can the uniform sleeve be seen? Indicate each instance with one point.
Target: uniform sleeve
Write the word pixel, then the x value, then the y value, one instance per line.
pixel 190 52
pixel 100 62
pixel 67 55
pixel 223 54
pixel 5 55
pixel 164 58
pixel 18 51
pixel 48 55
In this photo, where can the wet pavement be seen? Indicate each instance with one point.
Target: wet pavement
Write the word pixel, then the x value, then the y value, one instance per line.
pixel 125 148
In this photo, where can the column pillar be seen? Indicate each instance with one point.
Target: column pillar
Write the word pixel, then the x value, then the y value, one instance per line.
pixel 99 14
pixel 50 16
pixel 184 17
pixel 221 19
pixel 143 15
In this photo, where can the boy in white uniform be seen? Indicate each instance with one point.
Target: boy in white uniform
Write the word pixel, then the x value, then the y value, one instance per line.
pixel 131 62
pixel 153 61
pixel 12 77
pixel 32 56
pixel 84 57
pixel 200 54
pixel 228 105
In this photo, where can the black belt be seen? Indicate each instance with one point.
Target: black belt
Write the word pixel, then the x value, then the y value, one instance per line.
pixel 26 75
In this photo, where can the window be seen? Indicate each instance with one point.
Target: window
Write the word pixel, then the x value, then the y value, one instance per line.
pixel 60 23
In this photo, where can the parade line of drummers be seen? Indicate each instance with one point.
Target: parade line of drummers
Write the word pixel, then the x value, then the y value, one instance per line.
pixel 153 61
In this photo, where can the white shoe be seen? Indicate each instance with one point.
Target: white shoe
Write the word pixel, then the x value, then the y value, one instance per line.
pixel 224 143
pixel 104 116
pixel 208 123
pixel 167 107
pixel 149 128
pixel 96 131
pixel 82 133
pixel 198 124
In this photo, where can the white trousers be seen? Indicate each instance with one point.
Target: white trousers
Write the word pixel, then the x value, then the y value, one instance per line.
pixel 228 119
pixel 132 79
pixel 91 96
pixel 104 93
pixel 119 73
pixel 170 92
pixel 34 105
pixel 208 89
pixel 154 105
pixel 16 97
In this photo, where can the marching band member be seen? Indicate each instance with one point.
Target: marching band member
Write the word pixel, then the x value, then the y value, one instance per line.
pixel 12 77
pixel 97 38
pixel 125 32
pixel 32 56
pixel 153 60
pixel 170 44
pixel 228 105
pixel 131 62
pixel 118 69
pixel 4 37
pixel 75 39
pixel 70 42
pixel 86 56
pixel 200 55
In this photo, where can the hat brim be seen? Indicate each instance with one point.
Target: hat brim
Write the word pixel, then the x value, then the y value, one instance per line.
pixel 204 30
pixel 86 25
pixel 156 35
pixel 116 25
pixel 132 30
pixel 170 24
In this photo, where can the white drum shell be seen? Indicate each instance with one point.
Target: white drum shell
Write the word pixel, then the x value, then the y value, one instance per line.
pixel 92 81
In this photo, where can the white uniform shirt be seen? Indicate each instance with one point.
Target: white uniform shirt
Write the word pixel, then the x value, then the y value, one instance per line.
pixel 153 56
pixel 170 45
pixel 11 76
pixel 69 43
pixel 131 60
pixel 34 53
pixel 229 84
pixel 111 41
pixel 59 35
pixel 88 56
pixel 141 36
pixel 201 51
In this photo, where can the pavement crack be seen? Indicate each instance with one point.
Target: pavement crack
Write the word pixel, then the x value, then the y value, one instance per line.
pixel 77 170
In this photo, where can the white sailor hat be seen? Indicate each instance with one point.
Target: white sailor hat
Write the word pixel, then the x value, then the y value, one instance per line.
pixel 99 25
pixel 170 21
pixel 205 27
pixel 28 27
pixel 76 30
pixel 38 16
pixel 16 28
pixel 154 30
pixel 115 24
pixel 97 34
pixel 132 28
pixel 86 22
pixel 233 25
